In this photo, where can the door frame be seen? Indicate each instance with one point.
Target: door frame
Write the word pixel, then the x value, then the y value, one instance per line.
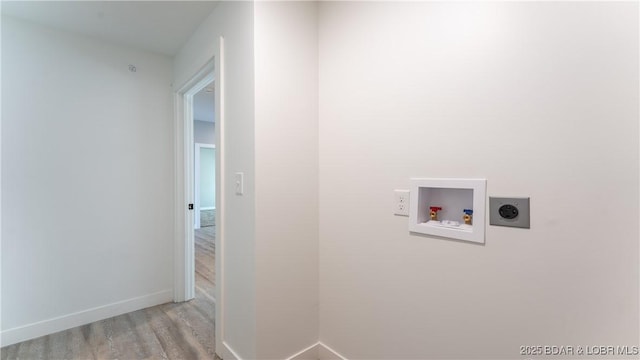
pixel 184 260
pixel 183 234
pixel 196 175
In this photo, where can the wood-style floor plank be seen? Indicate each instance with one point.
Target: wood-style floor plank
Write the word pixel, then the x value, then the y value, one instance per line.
pixel 97 339
pixel 205 260
pixel 169 331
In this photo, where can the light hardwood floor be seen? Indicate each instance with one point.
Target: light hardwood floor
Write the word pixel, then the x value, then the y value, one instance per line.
pixel 205 260
pixel 169 331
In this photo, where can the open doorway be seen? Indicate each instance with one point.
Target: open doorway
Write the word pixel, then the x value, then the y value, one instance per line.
pixel 210 296
pixel 204 190
pixel 195 250
pixel 195 107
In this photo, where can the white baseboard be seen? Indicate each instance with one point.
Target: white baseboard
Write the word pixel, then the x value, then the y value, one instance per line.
pixel 327 353
pixel 228 353
pixel 317 351
pixel 310 353
pixel 50 326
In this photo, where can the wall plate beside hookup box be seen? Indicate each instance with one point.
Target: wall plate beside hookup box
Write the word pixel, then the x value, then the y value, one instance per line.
pixel 511 212
pixel 401 202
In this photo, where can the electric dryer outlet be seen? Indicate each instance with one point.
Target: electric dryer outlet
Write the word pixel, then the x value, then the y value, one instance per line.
pixel 512 212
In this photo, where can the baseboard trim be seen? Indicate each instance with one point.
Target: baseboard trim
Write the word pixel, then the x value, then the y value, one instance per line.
pixel 308 353
pixel 327 353
pixel 317 351
pixel 228 353
pixel 50 326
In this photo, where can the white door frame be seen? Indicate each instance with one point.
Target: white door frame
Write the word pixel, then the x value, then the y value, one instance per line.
pixel 196 178
pixel 183 155
pixel 185 259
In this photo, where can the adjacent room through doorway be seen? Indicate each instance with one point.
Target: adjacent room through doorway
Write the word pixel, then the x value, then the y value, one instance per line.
pixel 204 190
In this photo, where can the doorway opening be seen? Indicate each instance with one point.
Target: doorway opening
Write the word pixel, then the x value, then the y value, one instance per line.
pixel 210 75
pixel 204 191
pixel 193 254
pixel 196 113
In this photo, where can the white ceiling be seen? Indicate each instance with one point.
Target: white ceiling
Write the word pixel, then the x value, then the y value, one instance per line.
pixel 158 26
pixel 204 105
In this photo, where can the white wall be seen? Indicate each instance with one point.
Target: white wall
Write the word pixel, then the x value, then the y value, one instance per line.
pixel 204 132
pixel 207 178
pixel 271 282
pixel 403 90
pixel 87 180
pixel 234 21
pixel 286 52
pixel 541 99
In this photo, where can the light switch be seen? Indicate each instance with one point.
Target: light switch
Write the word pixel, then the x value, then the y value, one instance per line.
pixel 239 183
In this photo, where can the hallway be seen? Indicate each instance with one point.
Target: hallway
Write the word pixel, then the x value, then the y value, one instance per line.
pixel 169 331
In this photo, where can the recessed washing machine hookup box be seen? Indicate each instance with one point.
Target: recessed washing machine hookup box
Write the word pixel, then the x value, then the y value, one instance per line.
pixel 450 208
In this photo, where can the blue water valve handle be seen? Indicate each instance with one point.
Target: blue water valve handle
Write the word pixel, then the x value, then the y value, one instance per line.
pixel 468 211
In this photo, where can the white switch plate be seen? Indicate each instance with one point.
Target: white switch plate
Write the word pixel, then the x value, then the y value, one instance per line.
pixel 401 202
pixel 239 183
